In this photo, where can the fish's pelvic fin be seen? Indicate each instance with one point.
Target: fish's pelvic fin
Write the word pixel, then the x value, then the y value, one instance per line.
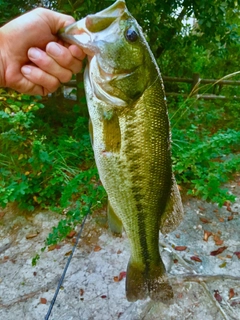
pixel 173 213
pixel 141 283
pixel 115 224
pixel 90 129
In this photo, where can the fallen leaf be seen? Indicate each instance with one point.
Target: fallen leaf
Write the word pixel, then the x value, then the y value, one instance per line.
pixel 231 293
pixel 221 219
pixel 97 248
pixel 229 256
pixel 218 251
pixel 217 240
pixel 43 300
pixel 180 248
pixel 122 275
pixel 204 220
pixel 81 291
pixel 201 208
pixel 196 258
pixel 68 253
pixel 230 218
pixel 207 234
pixel 217 296
pixel 119 251
pixel 237 253
pixel 228 205
pixel 175 260
pixel 53 247
pixel 71 234
pixel 223 265
pixel 31 235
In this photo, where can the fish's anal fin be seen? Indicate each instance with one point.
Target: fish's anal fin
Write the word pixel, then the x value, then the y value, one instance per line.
pixel 115 224
pixel 141 283
pixel 173 213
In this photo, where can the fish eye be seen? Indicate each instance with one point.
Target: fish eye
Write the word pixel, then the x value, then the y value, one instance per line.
pixel 131 35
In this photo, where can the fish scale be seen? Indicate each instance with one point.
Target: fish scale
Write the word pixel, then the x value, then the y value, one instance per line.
pixel 131 141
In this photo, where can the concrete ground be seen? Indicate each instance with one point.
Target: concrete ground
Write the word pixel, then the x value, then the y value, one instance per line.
pixel 206 285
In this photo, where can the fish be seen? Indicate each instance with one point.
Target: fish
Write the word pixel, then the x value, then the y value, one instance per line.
pixel 131 139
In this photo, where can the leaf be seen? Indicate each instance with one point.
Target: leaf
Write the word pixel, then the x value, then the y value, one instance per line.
pixel 204 220
pixel 218 251
pixel 217 240
pixel 31 235
pixel 207 234
pixel 71 234
pixel 81 291
pixel 223 265
pixel 217 296
pixel 180 248
pixel 97 248
pixel 43 300
pixel 196 258
pixel 120 276
pixel 237 253
pixel 231 293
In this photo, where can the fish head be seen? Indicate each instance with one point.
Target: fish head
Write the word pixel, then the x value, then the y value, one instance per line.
pixel 124 61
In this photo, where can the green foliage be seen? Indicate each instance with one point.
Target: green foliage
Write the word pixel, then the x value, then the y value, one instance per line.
pixel 46 163
pixel 206 140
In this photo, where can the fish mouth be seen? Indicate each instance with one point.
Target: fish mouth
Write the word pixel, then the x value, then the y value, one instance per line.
pixel 88 31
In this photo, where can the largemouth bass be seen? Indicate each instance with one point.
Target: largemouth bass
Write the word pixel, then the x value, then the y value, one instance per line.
pixel 131 141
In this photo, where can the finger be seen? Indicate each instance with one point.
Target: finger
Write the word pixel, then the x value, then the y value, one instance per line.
pixel 77 52
pixel 49 65
pixel 36 76
pixel 54 19
pixel 70 59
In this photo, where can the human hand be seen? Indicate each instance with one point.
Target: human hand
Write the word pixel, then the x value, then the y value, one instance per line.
pixel 32 59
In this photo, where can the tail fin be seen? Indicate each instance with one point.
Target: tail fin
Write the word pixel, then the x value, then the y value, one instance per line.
pixel 144 282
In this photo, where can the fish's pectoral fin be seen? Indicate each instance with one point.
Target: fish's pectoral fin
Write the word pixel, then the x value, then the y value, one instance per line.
pixel 115 224
pixel 142 282
pixel 173 213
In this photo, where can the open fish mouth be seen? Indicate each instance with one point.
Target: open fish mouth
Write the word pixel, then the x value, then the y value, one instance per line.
pixel 88 31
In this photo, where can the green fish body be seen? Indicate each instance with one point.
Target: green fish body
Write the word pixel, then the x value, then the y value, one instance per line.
pixel 131 141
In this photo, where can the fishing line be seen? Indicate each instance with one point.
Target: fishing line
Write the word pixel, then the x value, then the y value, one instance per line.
pixel 67 264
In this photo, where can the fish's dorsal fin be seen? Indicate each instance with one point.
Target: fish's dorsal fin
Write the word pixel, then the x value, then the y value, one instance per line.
pixel 173 213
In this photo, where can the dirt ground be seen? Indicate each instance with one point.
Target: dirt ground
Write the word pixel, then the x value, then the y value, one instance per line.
pixel 202 258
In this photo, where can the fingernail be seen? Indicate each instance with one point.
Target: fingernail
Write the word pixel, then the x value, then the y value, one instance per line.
pixel 34 53
pixel 54 49
pixel 26 70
